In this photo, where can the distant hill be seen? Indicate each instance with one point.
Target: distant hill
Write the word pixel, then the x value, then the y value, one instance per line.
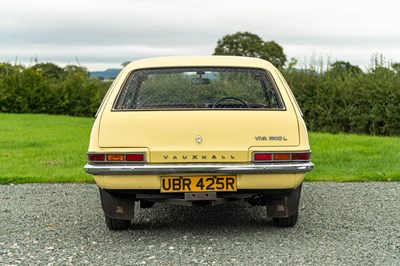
pixel 110 73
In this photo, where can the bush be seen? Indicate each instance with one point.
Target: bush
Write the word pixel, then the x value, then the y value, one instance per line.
pixel 348 100
pixel 47 88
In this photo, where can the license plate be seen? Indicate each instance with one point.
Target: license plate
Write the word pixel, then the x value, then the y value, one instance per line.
pixel 197 183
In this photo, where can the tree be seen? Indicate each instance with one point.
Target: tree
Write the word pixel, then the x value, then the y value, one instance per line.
pixel 49 70
pixel 396 66
pixel 341 67
pixel 249 44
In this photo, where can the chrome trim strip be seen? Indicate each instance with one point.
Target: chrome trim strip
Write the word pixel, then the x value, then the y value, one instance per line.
pixel 159 169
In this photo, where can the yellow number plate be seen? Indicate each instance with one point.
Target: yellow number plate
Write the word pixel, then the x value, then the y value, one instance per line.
pixel 197 183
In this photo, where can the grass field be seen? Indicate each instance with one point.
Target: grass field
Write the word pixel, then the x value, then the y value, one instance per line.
pixel 45 148
pixel 345 157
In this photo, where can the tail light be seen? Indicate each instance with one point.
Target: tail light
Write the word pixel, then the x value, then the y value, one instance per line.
pixel 96 157
pixel 116 157
pixel 135 157
pixel 263 156
pixel 282 156
pixel 301 156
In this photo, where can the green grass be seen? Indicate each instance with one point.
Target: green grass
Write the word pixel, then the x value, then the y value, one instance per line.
pixel 345 157
pixel 52 149
pixel 43 148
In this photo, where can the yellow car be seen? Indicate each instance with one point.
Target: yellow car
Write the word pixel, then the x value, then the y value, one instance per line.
pixel 199 130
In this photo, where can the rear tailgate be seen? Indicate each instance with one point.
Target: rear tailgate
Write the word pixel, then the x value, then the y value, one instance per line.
pixel 199 136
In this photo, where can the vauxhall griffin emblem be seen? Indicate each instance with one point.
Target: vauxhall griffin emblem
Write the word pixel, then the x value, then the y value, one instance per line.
pixel 198 139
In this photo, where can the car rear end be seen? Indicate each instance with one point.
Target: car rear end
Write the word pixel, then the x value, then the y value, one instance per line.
pixel 195 130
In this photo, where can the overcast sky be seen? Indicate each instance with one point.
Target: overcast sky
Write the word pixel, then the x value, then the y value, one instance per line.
pixel 102 34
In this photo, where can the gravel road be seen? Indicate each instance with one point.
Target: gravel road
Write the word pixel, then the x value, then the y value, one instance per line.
pixel 340 224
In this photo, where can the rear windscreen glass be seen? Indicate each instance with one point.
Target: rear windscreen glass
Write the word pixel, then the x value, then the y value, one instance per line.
pixel 199 88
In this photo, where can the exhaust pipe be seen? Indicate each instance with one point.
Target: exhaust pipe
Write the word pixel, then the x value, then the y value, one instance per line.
pixel 257 199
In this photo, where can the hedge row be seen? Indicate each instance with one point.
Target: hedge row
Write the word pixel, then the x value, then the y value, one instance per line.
pixel 349 101
pixel 47 88
pixel 341 99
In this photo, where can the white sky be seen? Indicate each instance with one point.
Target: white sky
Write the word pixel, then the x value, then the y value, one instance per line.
pixel 104 33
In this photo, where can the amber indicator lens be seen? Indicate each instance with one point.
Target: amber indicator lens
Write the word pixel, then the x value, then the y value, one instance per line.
pixel 115 157
pixel 96 157
pixel 263 157
pixel 138 157
pixel 282 156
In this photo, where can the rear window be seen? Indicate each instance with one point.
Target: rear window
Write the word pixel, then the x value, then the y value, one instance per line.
pixel 199 88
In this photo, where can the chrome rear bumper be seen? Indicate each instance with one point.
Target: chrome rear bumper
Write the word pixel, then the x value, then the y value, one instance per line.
pixel 158 169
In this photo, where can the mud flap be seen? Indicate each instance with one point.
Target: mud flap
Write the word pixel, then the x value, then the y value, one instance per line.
pixel 117 207
pixel 283 205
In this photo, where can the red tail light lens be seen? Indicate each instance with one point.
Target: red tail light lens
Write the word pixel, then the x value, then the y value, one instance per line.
pixel 262 157
pixel 96 157
pixel 137 157
pixel 303 156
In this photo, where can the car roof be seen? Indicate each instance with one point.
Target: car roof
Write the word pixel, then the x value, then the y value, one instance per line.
pixel 198 61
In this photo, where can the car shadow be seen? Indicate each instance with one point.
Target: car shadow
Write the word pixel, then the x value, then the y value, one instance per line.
pixel 228 216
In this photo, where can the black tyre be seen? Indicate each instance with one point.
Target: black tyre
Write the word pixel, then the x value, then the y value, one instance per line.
pixel 286 221
pixel 117 224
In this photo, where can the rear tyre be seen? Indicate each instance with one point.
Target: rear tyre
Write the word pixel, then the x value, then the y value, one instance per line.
pixel 117 224
pixel 286 221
